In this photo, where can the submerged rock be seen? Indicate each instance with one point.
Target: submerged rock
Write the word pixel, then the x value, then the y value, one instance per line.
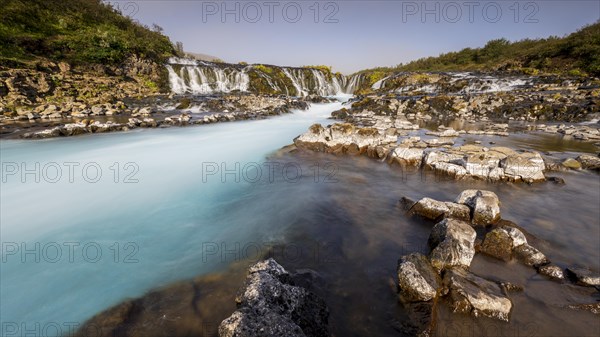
pixel 584 276
pixel 417 280
pixel 270 305
pixel 593 308
pixel 472 294
pixel 453 244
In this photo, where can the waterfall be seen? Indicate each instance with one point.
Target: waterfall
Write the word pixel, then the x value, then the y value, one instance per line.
pixel 353 83
pixel 297 82
pixel 379 84
pixel 188 76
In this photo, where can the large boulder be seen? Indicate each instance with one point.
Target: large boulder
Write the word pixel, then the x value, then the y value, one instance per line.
pixel 417 280
pixel 527 167
pixel 318 138
pixel 472 294
pixel 269 305
pixel 481 164
pixel 452 243
pixel 484 204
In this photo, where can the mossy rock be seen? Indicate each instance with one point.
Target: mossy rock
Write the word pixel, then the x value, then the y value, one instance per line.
pixel 184 103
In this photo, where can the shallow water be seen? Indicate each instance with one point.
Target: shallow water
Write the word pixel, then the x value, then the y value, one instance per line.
pixel 339 217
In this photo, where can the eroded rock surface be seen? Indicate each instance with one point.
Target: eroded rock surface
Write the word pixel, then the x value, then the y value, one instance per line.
pixel 270 305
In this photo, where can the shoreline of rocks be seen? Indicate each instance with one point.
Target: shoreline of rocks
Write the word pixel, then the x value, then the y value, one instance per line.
pixel 182 111
pixel 467 226
pixel 493 164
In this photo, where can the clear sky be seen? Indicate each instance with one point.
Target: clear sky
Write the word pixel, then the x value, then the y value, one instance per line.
pixel 353 35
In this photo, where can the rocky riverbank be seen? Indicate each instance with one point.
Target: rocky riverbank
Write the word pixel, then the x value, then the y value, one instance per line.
pixel 49 120
pixel 443 128
pixel 272 302
pixel 469 225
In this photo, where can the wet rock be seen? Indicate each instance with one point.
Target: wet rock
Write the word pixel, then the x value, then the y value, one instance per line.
pixel 407 155
pixel 552 271
pixel 417 280
pixel 485 206
pixel 499 244
pixel 458 211
pixel 584 276
pixel 452 170
pixel 421 319
pixel 429 208
pixel 530 256
pixel 406 203
pixel 518 238
pixel 556 180
pixel 434 157
pixel 593 308
pixel 479 165
pixel 453 244
pixel 527 167
pixel 341 134
pixel 472 294
pixel 270 305
pixel 433 209
pixel 589 162
pixel 571 163
pixel 509 287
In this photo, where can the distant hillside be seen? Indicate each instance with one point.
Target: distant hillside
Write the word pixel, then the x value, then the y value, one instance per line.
pixel 75 31
pixel 575 54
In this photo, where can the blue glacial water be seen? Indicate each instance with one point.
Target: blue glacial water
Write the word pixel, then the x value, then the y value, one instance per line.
pixel 73 248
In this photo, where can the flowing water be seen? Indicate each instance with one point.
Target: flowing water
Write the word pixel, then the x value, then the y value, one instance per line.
pixel 336 215
pixel 198 77
pixel 147 216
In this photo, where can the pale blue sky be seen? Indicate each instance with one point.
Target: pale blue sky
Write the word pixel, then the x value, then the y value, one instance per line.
pixel 367 33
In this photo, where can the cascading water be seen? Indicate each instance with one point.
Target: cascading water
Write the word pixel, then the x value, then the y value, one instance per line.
pixel 205 78
pixel 201 78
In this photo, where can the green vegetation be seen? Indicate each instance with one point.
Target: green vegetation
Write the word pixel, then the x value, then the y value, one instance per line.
pixel 577 54
pixel 75 31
